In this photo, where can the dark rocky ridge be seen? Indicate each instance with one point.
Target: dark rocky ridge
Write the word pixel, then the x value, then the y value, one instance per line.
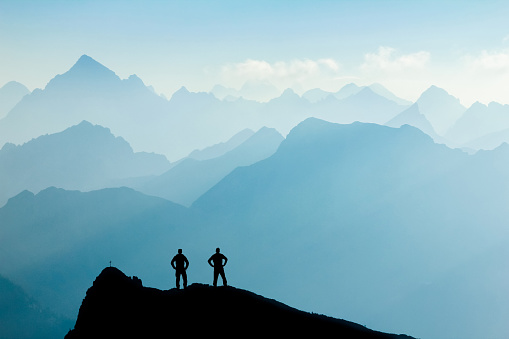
pixel 117 306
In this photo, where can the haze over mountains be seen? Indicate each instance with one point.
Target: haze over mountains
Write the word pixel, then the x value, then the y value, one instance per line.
pixel 388 226
pixel 364 222
pixel 83 157
pixel 90 91
pixel 189 179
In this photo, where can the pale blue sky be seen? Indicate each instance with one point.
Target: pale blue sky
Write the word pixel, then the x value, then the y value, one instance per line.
pixel 462 46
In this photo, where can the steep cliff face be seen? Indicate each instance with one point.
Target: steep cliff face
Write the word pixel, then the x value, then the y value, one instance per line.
pixel 119 306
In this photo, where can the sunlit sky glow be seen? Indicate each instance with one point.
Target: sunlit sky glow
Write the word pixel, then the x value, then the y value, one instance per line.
pixel 407 46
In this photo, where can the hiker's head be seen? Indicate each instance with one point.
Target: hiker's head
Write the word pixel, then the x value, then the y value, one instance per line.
pixel 217 250
pixel 180 251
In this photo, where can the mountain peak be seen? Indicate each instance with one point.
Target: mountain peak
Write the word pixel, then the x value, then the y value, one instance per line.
pixel 85 73
pixel 434 92
pixel 440 108
pixel 181 92
pixel 287 96
pixel 86 63
pixel 289 93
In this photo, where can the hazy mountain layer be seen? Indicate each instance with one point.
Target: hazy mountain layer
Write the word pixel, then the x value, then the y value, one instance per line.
pixel 413 117
pixel 189 179
pixel 188 121
pixel 317 94
pixel 440 108
pixel 88 91
pixel 82 157
pixel 218 150
pixel 480 121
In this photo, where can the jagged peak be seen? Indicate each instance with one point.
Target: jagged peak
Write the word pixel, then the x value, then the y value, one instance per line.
pixel 181 92
pixel 85 72
pixel 86 63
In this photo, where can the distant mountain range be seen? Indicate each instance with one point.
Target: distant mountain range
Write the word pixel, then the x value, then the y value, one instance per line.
pixel 88 91
pixel 83 157
pixel 119 306
pixel 190 178
pixel 317 94
pixel 434 113
pixel 480 121
pixel 261 91
pixel 188 121
pixel 374 224
pixel 217 150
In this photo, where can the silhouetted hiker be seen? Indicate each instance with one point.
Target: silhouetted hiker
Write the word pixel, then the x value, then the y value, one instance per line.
pixel 180 264
pixel 216 261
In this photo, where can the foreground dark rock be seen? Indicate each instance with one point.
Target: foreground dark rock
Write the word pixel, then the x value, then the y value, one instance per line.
pixel 118 306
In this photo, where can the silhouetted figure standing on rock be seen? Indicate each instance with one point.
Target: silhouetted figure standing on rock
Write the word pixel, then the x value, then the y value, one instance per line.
pixel 180 264
pixel 216 261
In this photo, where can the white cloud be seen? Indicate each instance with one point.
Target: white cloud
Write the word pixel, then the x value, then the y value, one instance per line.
pixel 489 61
pixel 282 73
pixel 387 60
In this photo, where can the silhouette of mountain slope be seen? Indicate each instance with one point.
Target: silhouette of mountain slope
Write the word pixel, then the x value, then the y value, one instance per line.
pixel 413 117
pixel 189 179
pixel 118 306
pixel 478 122
pixel 440 108
pixel 22 317
pixel 381 90
pixel 82 157
pixel 346 203
pixel 217 150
